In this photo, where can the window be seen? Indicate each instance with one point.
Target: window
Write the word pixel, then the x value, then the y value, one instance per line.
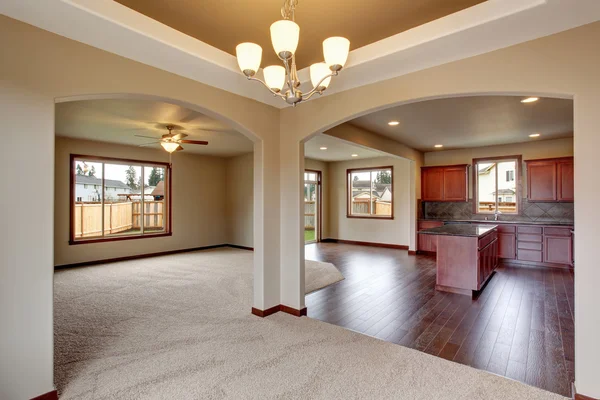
pixel 496 189
pixel 129 200
pixel 370 193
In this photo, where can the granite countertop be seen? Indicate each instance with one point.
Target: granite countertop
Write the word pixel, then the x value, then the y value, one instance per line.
pixel 471 230
pixel 478 221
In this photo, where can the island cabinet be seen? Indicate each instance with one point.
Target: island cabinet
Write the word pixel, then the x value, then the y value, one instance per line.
pixel 445 183
pixel 550 180
pixel 427 243
pixel 507 242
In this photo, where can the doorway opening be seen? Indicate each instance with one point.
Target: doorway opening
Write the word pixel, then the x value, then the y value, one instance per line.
pixel 312 206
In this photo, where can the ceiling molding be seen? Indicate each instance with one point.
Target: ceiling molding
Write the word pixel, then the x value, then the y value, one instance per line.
pixel 486 27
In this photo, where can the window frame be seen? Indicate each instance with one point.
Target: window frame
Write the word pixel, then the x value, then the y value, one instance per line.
pixel 349 172
pixel 142 163
pixel 518 182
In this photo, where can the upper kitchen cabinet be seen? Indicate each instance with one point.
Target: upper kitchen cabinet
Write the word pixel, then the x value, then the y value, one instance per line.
pixel 445 183
pixel 550 180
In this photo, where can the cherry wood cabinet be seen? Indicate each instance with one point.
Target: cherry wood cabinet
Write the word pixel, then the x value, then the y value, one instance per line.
pixel 432 184
pixel 445 183
pixel 565 175
pixel 426 242
pixel 507 245
pixel 550 180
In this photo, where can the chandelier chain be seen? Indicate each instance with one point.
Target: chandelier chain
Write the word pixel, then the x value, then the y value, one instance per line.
pixel 288 9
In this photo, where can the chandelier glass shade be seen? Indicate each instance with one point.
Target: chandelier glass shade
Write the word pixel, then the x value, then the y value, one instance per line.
pixel 285 35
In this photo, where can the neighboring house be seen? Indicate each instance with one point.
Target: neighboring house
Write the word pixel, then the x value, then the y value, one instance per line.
pixel 507 184
pixel 361 189
pixel 89 188
pixel 159 191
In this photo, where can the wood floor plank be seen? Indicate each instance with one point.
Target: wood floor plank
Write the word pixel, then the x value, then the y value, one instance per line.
pixel 520 326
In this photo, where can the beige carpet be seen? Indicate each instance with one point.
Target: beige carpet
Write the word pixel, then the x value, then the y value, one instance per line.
pixel 179 327
pixel 318 274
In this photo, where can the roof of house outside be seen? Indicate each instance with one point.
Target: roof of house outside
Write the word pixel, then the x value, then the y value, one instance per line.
pixel 505 191
pixel 159 190
pixel 92 180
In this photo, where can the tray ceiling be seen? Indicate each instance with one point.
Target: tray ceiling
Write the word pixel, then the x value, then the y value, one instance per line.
pixel 225 24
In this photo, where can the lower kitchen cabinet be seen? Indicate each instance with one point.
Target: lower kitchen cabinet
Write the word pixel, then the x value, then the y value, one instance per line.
pixel 557 249
pixel 507 245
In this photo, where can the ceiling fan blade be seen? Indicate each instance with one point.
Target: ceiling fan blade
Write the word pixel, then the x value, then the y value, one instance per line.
pixel 148 144
pixel 179 136
pixel 194 142
pixel 180 148
pixel 147 137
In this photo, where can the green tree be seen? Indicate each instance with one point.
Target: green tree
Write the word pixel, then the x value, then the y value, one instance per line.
pixel 93 172
pixel 383 177
pixel 155 176
pixel 130 178
pixel 79 170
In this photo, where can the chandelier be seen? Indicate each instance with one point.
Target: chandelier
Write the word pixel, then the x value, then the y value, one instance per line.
pixel 284 37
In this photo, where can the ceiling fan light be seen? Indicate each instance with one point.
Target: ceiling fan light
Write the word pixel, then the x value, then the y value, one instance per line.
pixel 335 51
pixel 169 146
pixel 249 56
pixel 285 35
pixel 319 71
pixel 274 77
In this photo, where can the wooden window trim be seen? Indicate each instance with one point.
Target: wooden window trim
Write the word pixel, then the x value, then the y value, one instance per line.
pixel 320 209
pixel 518 185
pixel 349 196
pixel 142 163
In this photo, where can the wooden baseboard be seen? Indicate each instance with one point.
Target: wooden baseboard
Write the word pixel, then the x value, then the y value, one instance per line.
pixel 448 289
pixel 148 255
pixel 237 246
pixel 412 253
pixel 426 253
pixel 577 396
pixel 293 311
pixel 288 310
pixel 372 244
pixel 53 395
pixel 518 263
pixel 267 312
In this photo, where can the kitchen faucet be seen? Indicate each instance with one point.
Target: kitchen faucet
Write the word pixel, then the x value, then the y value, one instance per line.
pixel 496 214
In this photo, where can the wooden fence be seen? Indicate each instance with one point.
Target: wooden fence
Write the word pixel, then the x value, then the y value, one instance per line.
pixel 503 207
pixel 379 207
pixel 310 214
pixel 118 217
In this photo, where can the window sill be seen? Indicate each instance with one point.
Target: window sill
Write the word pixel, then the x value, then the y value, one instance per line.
pixel 369 217
pixel 118 238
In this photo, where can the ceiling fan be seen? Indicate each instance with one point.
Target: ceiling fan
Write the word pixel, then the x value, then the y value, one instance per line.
pixel 171 142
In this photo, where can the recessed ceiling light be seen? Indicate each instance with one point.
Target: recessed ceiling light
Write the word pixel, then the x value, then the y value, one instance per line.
pixel 354 155
pixel 439 145
pixel 534 135
pixel 393 123
pixel 323 148
pixel 530 100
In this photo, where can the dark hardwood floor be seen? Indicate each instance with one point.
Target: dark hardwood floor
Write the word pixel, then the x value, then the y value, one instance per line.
pixel 521 325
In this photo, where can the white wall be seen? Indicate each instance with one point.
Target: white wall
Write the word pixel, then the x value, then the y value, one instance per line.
pixel 199 202
pixel 396 231
pixel 239 200
pixel 26 268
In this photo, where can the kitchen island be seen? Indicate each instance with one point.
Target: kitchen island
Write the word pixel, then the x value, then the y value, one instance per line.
pixel 467 256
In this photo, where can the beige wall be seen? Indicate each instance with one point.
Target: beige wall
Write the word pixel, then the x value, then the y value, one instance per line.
pixel 396 231
pixel 239 200
pixel 26 268
pixel 199 202
pixel 529 151
pixel 565 64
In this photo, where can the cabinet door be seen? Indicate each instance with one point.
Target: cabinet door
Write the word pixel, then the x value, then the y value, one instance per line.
pixel 455 184
pixel 565 189
pixel 507 245
pixel 432 184
pixel 541 181
pixel 427 243
pixel 557 249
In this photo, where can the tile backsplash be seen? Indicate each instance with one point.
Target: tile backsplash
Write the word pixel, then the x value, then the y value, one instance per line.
pixel 539 212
